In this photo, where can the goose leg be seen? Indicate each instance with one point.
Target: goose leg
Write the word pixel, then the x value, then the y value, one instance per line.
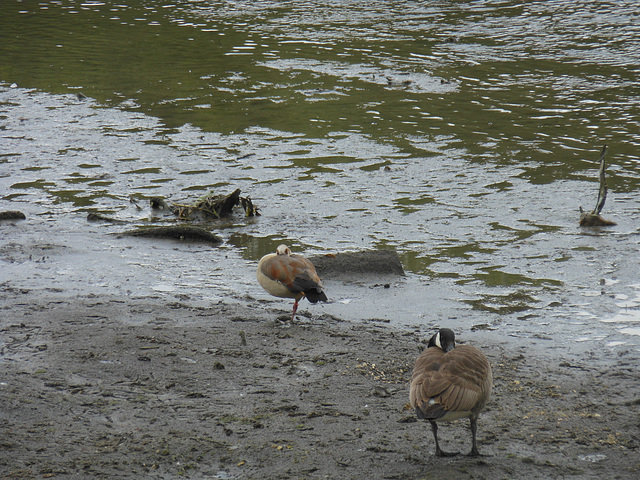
pixel 474 448
pixel 439 453
pixel 295 308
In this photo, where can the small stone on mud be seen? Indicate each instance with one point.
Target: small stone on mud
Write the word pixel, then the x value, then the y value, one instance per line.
pixel 12 215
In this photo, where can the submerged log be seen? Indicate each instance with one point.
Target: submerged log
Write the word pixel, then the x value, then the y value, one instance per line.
pixel 177 232
pixel 593 218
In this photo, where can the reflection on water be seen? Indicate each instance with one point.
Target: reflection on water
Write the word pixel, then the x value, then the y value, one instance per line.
pixel 463 134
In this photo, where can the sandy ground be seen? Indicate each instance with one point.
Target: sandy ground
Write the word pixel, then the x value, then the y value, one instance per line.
pixel 142 388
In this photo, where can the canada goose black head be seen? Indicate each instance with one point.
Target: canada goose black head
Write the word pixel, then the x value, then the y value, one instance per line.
pixel 444 339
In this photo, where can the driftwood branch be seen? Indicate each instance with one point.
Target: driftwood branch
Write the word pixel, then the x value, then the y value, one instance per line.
pixel 593 219
pixel 209 206
pixel 602 193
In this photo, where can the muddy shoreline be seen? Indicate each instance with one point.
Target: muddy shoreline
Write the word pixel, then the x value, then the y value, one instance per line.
pixel 97 387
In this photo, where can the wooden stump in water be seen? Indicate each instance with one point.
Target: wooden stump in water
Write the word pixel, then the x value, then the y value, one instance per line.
pixel 590 220
pixel 593 218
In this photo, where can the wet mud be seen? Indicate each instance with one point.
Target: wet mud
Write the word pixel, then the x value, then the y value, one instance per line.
pixel 112 387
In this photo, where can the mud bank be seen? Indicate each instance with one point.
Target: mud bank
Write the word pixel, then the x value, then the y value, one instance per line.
pixel 98 387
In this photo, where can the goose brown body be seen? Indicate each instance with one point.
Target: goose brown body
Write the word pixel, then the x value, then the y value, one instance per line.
pixel 287 275
pixel 449 383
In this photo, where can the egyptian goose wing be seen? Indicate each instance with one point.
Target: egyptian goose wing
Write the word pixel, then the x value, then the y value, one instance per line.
pixel 305 277
pixel 454 382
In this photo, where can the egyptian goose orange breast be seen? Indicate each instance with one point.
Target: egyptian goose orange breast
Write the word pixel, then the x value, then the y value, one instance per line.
pixel 449 383
pixel 287 275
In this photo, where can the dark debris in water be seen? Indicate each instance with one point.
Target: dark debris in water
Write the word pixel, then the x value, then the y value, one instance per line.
pixel 208 206
pixel 204 208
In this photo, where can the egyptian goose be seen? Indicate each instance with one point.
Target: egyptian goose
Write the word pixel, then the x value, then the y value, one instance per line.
pixel 449 383
pixel 287 275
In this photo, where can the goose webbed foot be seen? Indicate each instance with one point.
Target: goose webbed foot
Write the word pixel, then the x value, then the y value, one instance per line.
pixel 475 453
pixel 439 452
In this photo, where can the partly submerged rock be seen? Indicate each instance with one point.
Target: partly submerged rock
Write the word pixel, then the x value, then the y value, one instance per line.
pixel 12 215
pixel 364 263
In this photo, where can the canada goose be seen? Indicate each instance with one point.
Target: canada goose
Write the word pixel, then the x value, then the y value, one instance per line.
pixel 287 275
pixel 449 383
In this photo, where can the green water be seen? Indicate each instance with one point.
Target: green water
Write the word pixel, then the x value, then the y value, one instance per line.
pixel 507 82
